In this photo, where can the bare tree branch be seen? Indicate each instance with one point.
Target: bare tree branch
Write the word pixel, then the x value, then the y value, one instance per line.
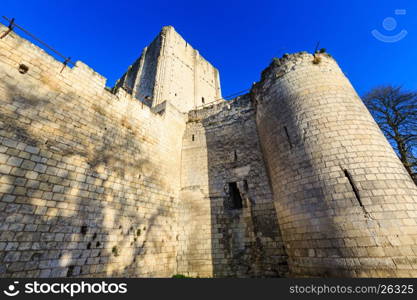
pixel 395 111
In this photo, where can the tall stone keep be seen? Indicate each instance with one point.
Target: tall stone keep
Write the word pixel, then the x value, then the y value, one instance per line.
pixel 169 69
pixel 345 204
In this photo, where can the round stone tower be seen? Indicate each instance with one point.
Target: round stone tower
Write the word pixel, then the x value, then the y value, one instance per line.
pixel 346 206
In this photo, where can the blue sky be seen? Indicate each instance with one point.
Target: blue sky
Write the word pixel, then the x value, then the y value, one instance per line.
pixel 238 37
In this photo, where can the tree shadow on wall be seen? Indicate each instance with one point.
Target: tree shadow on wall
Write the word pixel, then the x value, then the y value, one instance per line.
pixel 75 207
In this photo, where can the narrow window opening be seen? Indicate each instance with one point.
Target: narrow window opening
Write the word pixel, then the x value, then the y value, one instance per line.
pixel 354 188
pixel 234 195
pixel 192 138
pixel 202 100
pixel 23 69
pixel 235 155
pixel 288 136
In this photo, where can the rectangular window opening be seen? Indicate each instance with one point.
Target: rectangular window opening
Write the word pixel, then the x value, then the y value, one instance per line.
pixel 236 201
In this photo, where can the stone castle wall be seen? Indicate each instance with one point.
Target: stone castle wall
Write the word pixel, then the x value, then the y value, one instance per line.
pixel 89 179
pixel 294 178
pixel 346 205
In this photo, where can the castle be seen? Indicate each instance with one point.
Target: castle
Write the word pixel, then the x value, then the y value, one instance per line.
pixel 161 176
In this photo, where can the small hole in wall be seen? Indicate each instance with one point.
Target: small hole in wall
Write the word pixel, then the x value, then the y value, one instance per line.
pixel 202 100
pixel 245 185
pixel 23 69
pixel 70 271
pixel 235 155
pixel 192 137
pixel 98 244
pixel 83 230
pixel 94 236
pixel 115 251
pixel 288 136
pixel 89 246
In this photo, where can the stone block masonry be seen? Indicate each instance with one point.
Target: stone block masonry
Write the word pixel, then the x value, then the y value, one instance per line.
pixel 293 179
pixel 89 179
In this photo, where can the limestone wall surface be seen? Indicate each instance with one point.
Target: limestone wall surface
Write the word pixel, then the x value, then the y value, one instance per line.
pixel 220 147
pixel 345 204
pixel 89 179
